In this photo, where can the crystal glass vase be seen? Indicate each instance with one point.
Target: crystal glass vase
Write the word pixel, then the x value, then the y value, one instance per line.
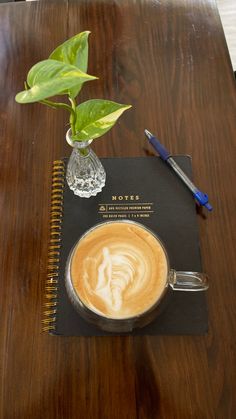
pixel 85 173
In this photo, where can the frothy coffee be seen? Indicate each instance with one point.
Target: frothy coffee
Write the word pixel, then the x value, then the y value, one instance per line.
pixel 119 270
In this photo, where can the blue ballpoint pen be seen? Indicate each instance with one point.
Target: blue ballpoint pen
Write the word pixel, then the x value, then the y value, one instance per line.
pixel 200 197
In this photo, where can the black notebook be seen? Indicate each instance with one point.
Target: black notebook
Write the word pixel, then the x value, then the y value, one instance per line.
pixel 142 189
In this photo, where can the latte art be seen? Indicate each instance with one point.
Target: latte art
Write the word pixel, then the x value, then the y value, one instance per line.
pixel 119 270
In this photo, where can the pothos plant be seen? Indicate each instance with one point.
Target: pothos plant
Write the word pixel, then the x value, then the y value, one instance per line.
pixel 64 73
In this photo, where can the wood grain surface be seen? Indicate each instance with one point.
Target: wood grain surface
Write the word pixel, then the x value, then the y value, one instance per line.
pixel 170 61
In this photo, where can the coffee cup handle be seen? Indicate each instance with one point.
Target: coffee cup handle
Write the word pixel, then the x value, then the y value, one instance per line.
pixel 188 281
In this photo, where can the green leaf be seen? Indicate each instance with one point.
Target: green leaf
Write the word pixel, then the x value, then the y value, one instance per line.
pixel 75 52
pixel 49 78
pixel 95 117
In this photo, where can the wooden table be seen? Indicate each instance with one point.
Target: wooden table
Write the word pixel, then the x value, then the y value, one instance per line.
pixel 170 60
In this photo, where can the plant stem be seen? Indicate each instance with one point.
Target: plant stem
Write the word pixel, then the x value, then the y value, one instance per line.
pixel 73 115
pixel 56 105
pixel 71 109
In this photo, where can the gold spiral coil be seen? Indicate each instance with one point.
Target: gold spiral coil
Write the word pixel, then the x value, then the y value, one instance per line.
pixel 51 283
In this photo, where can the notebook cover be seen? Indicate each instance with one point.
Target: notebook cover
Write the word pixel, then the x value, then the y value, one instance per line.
pixel 142 189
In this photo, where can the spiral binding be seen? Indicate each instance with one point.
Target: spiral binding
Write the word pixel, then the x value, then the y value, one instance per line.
pixel 51 286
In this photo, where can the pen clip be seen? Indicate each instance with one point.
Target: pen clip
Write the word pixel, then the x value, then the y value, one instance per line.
pixel 202 199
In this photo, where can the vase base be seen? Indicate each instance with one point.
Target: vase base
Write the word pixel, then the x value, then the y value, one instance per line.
pixel 86 194
pixel 85 173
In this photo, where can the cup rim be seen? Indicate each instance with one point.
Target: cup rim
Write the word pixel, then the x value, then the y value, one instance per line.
pixel 76 298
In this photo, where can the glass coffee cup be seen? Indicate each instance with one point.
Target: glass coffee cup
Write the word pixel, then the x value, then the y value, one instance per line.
pixel 118 276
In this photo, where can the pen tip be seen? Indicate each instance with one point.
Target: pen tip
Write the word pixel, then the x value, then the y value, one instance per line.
pixel 148 134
